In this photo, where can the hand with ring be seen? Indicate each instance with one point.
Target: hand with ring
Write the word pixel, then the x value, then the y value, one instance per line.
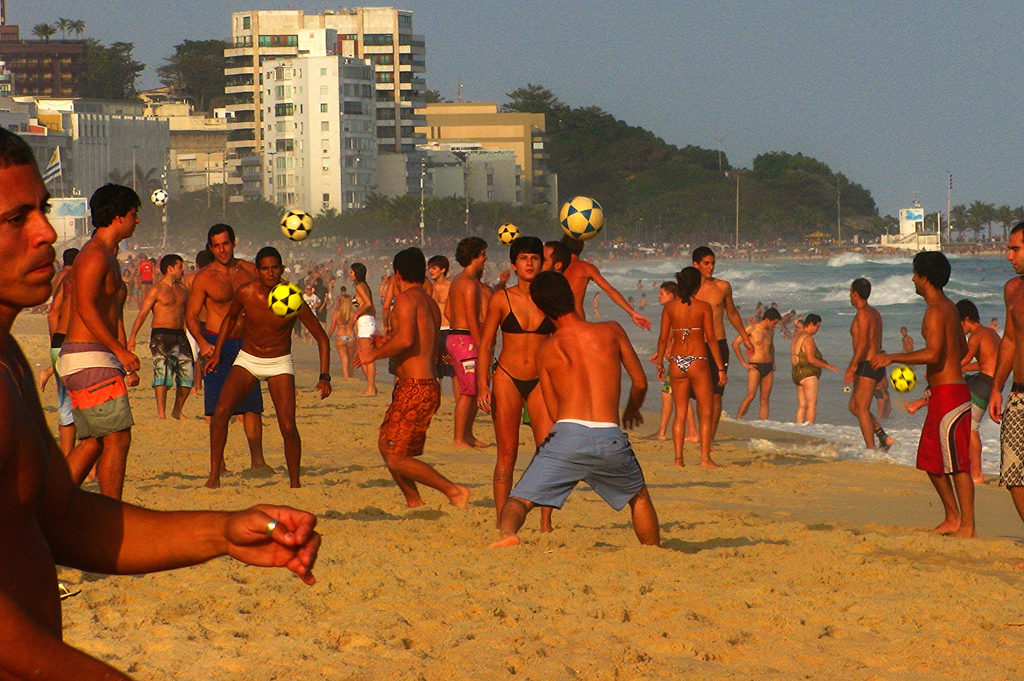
pixel 274 536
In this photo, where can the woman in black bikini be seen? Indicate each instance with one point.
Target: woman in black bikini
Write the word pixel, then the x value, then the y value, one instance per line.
pixel 523 329
pixel 686 324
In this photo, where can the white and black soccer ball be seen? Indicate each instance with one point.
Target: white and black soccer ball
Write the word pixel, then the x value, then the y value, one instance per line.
pixel 285 299
pixel 159 197
pixel 296 225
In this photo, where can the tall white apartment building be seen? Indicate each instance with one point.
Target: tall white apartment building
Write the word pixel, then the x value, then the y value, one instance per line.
pixel 381 34
pixel 319 133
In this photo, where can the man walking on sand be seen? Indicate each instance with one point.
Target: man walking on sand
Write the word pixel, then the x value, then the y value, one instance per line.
pixel 718 294
pixel 93 359
pixel 462 342
pixel 173 363
pixel 1011 358
pixel 581 389
pixel 944 449
pixel 760 363
pixel 982 352
pixel 211 292
pixel 415 321
pixel 866 331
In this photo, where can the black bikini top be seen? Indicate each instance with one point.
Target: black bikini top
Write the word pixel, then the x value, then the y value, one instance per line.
pixel 510 324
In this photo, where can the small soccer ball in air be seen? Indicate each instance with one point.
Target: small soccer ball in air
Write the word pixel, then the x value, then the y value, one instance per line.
pixel 285 299
pixel 159 197
pixel 296 225
pixel 508 233
pixel 582 218
pixel 903 379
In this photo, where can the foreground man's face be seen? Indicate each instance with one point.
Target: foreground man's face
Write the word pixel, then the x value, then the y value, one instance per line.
pixel 26 240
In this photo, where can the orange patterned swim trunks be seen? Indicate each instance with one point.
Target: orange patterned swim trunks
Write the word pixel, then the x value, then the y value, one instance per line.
pixel 413 403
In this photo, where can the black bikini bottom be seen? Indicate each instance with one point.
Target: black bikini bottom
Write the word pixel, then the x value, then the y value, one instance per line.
pixel 524 387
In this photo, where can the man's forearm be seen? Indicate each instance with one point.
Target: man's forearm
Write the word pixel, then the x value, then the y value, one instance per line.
pixel 1004 362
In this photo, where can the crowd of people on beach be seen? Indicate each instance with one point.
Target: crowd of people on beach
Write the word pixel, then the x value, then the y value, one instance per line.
pixel 554 367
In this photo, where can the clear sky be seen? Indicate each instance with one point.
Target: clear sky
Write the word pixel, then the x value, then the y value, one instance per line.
pixel 895 95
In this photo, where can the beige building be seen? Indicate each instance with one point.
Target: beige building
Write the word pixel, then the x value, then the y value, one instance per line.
pixel 521 133
pixel 383 35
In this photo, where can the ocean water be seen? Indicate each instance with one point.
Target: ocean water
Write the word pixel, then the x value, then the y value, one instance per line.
pixel 821 286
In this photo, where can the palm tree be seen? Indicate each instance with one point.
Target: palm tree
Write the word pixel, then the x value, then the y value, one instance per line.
pixel 78 26
pixel 1004 216
pixel 44 31
pixel 63 24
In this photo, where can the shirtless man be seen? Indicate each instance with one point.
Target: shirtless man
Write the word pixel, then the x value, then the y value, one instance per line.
pixel 211 294
pixel 94 359
pixel 580 273
pixel 982 351
pixel 415 321
pixel 58 318
pixel 557 258
pixel 173 362
pixel 760 363
pixel 718 294
pixel 866 331
pixel 437 276
pixel 1011 358
pixel 581 390
pixel 906 339
pixel 47 518
pixel 265 356
pixel 462 342
pixel 944 449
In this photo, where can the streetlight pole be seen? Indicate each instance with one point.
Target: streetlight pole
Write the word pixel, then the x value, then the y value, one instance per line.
pixel 134 165
pixel 423 169
pixel 737 212
pixel 719 154
pixel 839 210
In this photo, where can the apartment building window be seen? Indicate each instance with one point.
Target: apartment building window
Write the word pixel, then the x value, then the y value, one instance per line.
pixel 378 39
pixel 285 126
pixel 385 78
pixel 283 91
pixel 325 126
pixel 284 109
pixel 385 59
pixel 323 108
pixel 285 145
pixel 353 108
pixel 325 164
pixel 323 71
pixel 189 164
pixel 246 23
pixel 284 162
pixel 327 198
pixel 323 89
pixel 279 41
pixel 325 144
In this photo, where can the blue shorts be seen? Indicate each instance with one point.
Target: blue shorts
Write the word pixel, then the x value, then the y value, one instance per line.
pixel 213 382
pixel 574 453
pixel 65 413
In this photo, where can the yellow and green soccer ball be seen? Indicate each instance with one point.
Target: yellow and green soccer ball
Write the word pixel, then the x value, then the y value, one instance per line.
pixel 285 299
pixel 582 218
pixel 903 379
pixel 296 225
pixel 508 233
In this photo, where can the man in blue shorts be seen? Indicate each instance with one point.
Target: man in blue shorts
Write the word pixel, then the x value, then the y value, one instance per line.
pixel 581 391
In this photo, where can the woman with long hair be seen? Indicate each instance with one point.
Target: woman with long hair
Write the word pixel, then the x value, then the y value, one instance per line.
pixel 686 328
pixel 366 321
pixel 343 321
pixel 523 328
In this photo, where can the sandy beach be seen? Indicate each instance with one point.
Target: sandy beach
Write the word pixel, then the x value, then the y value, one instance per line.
pixel 786 563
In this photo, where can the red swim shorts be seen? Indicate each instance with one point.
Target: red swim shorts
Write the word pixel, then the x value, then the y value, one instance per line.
pixel 413 403
pixel 946 436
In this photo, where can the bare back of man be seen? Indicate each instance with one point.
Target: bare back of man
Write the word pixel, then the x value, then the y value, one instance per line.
pixel 581 391
pixel 463 310
pixel 580 273
pixel 866 333
pixel 415 322
pixel 982 353
pixel 210 296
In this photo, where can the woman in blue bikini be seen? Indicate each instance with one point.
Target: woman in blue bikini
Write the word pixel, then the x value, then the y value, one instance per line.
pixel 686 324
pixel 523 328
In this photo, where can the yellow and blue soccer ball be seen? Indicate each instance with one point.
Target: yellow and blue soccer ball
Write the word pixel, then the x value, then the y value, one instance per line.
pixel 582 218
pixel 296 225
pixel 903 379
pixel 508 233
pixel 285 299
